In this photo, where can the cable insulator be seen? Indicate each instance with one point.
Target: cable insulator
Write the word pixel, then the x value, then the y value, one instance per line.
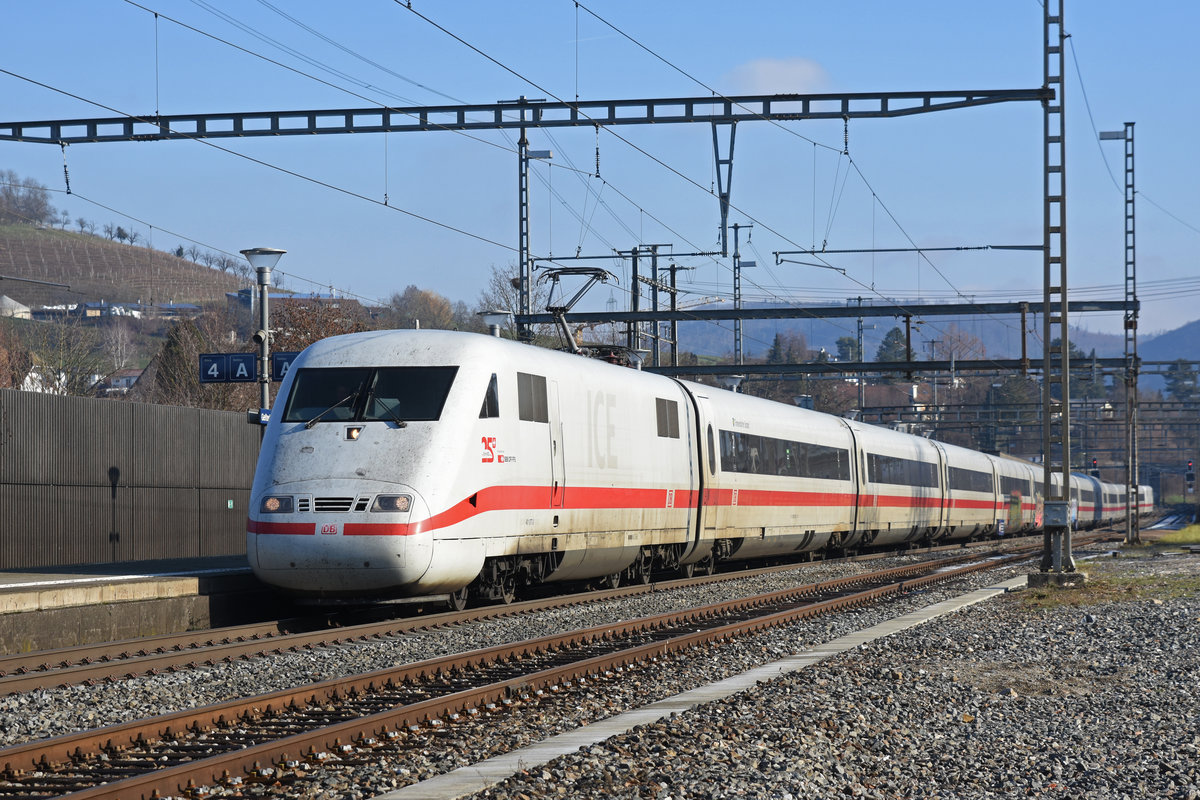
pixel 66 174
pixel 597 151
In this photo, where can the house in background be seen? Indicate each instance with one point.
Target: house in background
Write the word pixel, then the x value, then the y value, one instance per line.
pixel 11 308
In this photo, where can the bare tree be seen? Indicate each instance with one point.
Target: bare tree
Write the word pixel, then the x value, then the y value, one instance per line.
pixel 173 376
pixel 15 359
pixel 134 237
pixel 67 357
pixel 24 200
pixel 110 231
pixel 503 292
pixel 82 224
pixel 118 343
pixel 419 308
pixel 295 324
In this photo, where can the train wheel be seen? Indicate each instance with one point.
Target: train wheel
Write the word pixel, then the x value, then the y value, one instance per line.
pixel 458 600
pixel 508 590
pixel 707 566
pixel 610 581
pixel 639 570
pixel 687 570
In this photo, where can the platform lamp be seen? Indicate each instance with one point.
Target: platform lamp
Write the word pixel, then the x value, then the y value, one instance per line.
pixel 494 318
pixel 263 259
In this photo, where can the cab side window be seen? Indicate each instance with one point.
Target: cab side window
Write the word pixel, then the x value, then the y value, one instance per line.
pixel 531 398
pixel 491 401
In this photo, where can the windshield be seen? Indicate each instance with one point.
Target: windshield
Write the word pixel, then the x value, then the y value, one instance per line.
pixel 344 394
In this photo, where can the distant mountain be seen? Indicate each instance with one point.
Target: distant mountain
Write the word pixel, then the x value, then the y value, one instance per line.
pixel 98 269
pixel 1183 342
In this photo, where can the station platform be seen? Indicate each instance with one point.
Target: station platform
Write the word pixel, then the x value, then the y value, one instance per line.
pixel 53 607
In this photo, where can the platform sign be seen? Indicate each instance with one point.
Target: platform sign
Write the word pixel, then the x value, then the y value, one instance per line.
pixel 281 363
pixel 214 368
pixel 243 367
pixel 228 367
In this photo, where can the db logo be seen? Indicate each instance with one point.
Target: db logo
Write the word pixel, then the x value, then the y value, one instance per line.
pixel 329 528
pixel 489 449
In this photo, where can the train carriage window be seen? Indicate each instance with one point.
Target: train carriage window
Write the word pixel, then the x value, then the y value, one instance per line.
pixel 765 455
pixel 728 452
pixel 969 480
pixel 902 471
pixel 667 414
pixel 531 398
pixel 491 401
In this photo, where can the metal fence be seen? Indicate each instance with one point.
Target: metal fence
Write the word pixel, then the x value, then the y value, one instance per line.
pixel 85 480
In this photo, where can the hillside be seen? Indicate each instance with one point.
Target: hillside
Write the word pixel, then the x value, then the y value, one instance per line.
pixel 98 269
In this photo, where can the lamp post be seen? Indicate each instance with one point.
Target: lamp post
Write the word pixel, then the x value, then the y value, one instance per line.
pixel 263 259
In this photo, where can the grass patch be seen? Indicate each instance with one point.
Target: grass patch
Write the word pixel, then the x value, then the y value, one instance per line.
pixel 1105 586
pixel 1188 535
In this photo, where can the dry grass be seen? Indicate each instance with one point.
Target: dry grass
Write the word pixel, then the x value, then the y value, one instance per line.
pixel 1111 582
pixel 1188 535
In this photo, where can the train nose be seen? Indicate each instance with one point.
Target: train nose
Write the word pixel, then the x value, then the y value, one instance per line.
pixel 339 543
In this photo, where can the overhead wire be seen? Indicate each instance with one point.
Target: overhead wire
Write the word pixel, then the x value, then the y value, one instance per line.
pixel 259 161
pixel 262 37
pixel 844 151
pixel 1103 154
pixel 186 238
pixel 550 93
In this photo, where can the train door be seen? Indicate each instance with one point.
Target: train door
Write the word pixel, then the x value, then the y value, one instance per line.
pixel 942 522
pixel 709 456
pixel 558 478
pixel 858 480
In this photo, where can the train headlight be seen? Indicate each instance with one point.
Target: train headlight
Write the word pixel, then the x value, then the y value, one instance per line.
pixel 392 502
pixel 276 504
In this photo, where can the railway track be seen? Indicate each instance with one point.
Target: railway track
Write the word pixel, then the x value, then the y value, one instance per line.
pixel 113 661
pixel 277 738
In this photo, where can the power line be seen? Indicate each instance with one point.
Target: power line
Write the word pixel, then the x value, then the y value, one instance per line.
pixel 652 157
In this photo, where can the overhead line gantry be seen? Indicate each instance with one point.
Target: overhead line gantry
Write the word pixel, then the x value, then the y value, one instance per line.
pixel 722 113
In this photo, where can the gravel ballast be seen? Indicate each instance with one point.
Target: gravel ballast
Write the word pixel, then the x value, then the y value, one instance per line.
pixel 993 701
pixel 996 700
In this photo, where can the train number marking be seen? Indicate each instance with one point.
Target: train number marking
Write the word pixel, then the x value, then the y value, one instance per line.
pixel 670 498
pixel 489 449
pixel 329 528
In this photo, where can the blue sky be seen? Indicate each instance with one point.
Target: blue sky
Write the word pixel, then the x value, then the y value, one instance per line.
pixel 960 178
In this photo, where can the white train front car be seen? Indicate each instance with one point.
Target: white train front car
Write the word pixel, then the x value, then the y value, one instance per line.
pixel 414 462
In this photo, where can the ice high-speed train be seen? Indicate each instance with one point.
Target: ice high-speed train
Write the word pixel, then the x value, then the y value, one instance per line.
pixel 415 463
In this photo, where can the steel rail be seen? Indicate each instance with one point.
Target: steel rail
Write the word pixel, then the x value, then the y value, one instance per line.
pixel 42 755
pixel 113 661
